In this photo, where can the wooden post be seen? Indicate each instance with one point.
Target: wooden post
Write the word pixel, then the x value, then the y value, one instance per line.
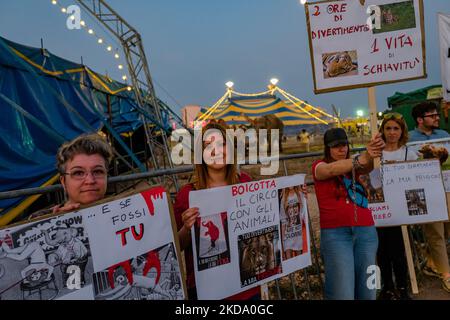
pixel 373 118
pixel 409 260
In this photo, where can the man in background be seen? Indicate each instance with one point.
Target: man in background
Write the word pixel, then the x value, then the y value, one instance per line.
pixel 426 116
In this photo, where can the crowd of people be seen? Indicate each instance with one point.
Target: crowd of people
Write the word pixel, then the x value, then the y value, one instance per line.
pixel 350 242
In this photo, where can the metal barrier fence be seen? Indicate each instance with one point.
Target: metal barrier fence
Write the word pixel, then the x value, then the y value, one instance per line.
pixel 303 274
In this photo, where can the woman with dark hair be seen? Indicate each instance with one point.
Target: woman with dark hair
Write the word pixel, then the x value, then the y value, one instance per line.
pixel 391 251
pixel 209 173
pixel 348 236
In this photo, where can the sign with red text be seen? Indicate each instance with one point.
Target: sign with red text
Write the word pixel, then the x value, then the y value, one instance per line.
pixel 122 249
pixel 357 44
pixel 413 193
pixel 133 248
pixel 248 234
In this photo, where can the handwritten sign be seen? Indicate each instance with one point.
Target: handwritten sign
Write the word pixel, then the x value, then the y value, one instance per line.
pixel 249 234
pixel 121 249
pixel 413 193
pixel 354 45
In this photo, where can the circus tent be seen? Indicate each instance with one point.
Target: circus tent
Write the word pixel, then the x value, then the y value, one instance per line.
pixel 234 106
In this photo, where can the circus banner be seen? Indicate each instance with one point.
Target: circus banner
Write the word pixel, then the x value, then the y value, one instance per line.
pixel 124 248
pixel 249 234
pixel 357 44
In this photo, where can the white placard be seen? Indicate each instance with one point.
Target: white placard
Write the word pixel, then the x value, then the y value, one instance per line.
pixel 122 249
pixel 242 239
pixel 346 53
pixel 413 193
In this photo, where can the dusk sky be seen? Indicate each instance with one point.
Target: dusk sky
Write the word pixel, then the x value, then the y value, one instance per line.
pixel 195 46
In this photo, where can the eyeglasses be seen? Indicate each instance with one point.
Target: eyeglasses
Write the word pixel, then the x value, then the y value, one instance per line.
pixel 392 115
pixel 79 174
pixel 433 116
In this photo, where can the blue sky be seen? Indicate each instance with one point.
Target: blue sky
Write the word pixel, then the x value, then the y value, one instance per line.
pixel 195 46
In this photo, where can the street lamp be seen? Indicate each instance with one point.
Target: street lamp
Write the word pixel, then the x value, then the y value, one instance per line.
pixel 229 84
pixel 359 113
pixel 303 2
pixel 274 81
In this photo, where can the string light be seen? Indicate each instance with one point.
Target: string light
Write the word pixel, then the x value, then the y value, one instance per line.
pixel 91 31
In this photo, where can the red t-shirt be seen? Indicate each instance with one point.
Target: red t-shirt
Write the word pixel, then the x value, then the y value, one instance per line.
pixel 182 204
pixel 335 210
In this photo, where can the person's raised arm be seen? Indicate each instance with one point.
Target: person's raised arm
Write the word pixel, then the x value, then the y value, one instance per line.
pixel 364 163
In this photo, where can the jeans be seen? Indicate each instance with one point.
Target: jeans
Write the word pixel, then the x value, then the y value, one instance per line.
pixel 347 252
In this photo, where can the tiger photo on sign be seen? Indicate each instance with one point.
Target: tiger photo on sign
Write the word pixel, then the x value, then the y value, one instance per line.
pixel 339 64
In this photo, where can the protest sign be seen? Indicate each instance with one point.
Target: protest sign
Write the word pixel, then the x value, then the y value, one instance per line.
pixel 249 234
pixel 356 44
pixel 412 193
pixel 123 248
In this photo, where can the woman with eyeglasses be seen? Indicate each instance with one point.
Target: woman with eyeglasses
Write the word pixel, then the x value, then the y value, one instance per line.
pixel 391 251
pixel 348 238
pixel 83 167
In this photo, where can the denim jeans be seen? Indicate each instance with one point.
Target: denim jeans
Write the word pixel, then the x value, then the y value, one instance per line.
pixel 347 252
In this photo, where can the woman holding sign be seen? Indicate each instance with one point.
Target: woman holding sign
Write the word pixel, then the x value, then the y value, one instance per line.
pixel 216 174
pixel 348 235
pixel 83 167
pixel 391 250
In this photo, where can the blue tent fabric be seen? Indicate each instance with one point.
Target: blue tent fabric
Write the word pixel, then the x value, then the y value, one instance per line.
pixel 35 89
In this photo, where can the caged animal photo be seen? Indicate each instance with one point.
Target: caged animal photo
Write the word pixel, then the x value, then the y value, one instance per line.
pixel 340 64
pixel 416 202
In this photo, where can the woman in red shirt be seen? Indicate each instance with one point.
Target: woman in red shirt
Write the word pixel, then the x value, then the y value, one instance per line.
pixel 348 235
pixel 216 174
